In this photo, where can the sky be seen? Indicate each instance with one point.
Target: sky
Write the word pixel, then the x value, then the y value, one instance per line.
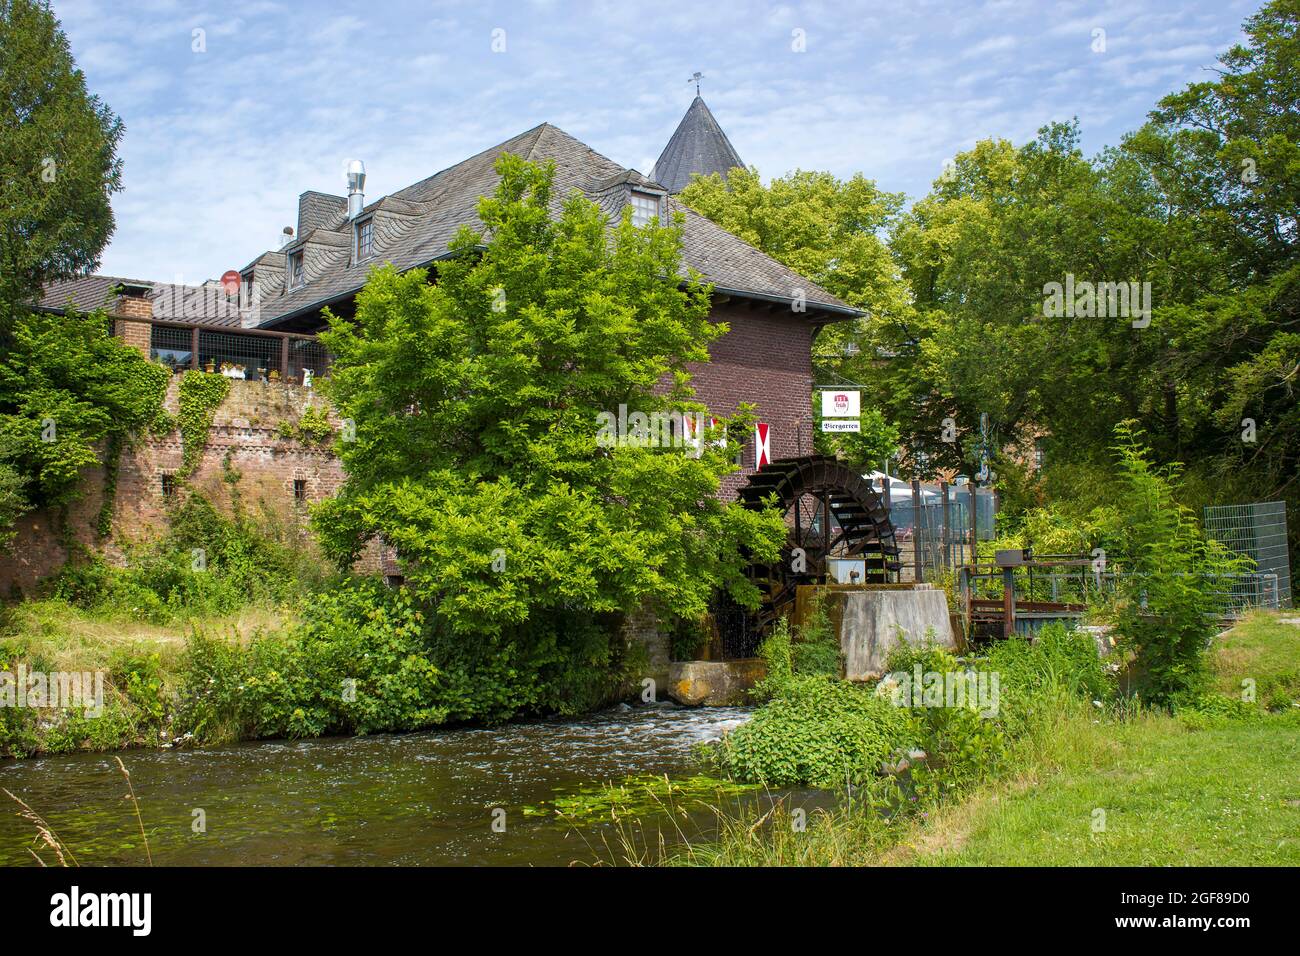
pixel 233 109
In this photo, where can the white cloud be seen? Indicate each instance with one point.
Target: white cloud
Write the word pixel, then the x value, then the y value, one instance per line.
pixel 219 145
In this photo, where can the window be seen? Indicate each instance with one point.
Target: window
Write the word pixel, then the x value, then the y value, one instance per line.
pixel 168 485
pixel 644 208
pixel 300 489
pixel 365 233
pixel 246 288
pixel 295 269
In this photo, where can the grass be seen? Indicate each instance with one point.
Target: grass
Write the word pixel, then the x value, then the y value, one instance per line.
pixel 1228 795
pixel 1174 790
pixel 141 664
pixel 1266 649
pixel 63 637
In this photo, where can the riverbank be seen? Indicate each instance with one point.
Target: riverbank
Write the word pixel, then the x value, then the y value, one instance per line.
pixel 1093 785
pixel 353 658
pixel 142 666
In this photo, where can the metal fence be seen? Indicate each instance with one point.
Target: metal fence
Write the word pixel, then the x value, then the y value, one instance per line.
pixel 1258 531
pixel 1075 584
pixel 936 536
pixel 250 354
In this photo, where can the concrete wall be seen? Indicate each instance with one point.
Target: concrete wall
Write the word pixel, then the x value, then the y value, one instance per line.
pixel 873 622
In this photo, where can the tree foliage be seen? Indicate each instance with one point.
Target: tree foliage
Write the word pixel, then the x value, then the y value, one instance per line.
pixel 67 386
pixel 1200 204
pixel 58 163
pixel 1175 581
pixel 476 404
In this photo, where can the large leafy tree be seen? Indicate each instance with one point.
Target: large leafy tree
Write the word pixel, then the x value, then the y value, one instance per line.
pixel 477 404
pixel 69 391
pixel 58 160
pixel 1224 157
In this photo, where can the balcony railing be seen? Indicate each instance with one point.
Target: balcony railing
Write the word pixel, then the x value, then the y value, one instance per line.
pixel 251 354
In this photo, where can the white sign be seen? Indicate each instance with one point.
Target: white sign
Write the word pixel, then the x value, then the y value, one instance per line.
pixel 841 425
pixel 841 404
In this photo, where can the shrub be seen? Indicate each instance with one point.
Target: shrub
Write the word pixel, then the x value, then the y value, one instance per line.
pixel 366 659
pixel 1166 612
pixel 816 649
pixel 820 732
pixel 208 564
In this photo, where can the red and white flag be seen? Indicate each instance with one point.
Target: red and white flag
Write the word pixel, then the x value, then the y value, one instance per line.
pixel 762 444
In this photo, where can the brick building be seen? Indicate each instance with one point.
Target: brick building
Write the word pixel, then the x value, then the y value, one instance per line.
pixel 263 327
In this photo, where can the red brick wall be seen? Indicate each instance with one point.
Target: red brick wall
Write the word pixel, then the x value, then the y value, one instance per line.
pixel 133 332
pixel 244 432
pixel 765 359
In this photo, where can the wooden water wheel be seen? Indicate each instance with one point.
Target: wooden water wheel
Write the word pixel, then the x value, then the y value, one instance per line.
pixel 832 512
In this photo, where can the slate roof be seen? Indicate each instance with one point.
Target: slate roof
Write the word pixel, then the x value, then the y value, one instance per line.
pixel 200 305
pixel 317 209
pixel 85 293
pixel 421 220
pixel 698 145
pixel 414 227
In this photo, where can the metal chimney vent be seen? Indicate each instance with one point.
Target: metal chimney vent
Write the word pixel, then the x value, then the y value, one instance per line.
pixel 356 188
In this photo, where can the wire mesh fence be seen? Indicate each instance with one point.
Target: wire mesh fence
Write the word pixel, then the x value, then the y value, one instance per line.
pixel 172 347
pixel 307 355
pixel 1258 531
pixel 933 537
pixel 253 356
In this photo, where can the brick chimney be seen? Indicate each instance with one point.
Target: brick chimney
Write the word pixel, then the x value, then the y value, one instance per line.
pixel 133 315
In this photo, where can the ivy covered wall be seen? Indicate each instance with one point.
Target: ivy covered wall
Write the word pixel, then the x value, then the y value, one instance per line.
pixel 229 438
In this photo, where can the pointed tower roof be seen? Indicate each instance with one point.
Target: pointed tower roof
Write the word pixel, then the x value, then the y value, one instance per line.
pixel 698 146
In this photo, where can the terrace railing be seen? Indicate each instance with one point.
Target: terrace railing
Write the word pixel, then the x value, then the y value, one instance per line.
pixel 253 354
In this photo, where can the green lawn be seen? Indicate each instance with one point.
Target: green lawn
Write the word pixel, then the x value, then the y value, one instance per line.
pixel 1225 796
pixel 1265 649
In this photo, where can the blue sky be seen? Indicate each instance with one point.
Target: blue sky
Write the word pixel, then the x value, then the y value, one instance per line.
pixel 221 141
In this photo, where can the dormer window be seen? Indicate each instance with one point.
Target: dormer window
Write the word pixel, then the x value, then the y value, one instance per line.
pixel 295 269
pixel 644 208
pixel 246 289
pixel 365 239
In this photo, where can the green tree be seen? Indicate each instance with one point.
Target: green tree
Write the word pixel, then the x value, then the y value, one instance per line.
pixel 69 393
pixel 1224 156
pixel 476 404
pixel 58 162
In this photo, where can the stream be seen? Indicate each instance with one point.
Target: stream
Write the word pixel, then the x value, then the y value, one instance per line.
pixel 428 798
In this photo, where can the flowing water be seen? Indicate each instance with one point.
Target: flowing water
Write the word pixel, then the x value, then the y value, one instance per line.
pixel 413 799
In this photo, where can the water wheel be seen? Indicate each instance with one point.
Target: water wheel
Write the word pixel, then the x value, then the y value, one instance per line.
pixel 832 512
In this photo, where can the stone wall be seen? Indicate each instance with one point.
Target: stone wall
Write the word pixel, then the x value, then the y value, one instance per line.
pixel 244 440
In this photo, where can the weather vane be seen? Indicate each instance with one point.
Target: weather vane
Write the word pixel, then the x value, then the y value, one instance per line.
pixel 695 78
